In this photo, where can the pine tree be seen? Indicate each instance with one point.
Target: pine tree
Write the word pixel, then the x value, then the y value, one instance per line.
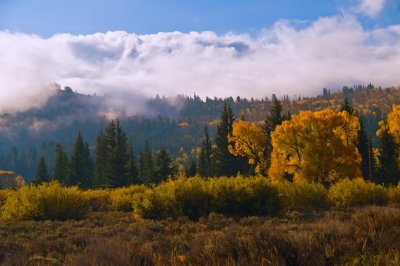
pixel 192 169
pixel 371 161
pixel 119 156
pixel 164 165
pixel 79 173
pixel 365 149
pixel 347 107
pixel 114 157
pixel 147 175
pixel 133 171
pixel 226 164
pixel 388 172
pixel 101 172
pixel 61 167
pixel 205 155
pixel 42 174
pixel 274 119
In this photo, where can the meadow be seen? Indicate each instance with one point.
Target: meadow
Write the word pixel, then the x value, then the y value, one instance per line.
pixel 195 221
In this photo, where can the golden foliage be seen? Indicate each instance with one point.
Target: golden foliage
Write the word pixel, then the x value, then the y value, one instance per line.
pixel 357 192
pixel 248 141
pixel 49 201
pixel 316 146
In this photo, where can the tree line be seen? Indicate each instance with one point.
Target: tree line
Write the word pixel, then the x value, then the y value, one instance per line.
pixel 321 146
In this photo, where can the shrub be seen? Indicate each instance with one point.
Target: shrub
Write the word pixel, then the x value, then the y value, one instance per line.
pixel 196 197
pixel 357 192
pixel 49 201
pixel 122 198
pixel 394 194
pixel 98 199
pixel 300 195
pixel 4 194
pixel 156 203
pixel 244 196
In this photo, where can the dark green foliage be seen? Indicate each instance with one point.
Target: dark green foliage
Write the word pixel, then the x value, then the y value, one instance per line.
pixel 192 169
pixel 133 170
pixel 114 160
pixel 42 173
pixel 80 165
pixel 225 163
pixel 61 167
pixel 119 157
pixel 163 165
pixel 101 177
pixel 367 156
pixel 388 172
pixel 204 163
pixel 346 106
pixel 274 119
pixel 146 164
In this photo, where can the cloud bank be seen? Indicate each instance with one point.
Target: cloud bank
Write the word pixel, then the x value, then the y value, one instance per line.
pixel 289 58
pixel 371 8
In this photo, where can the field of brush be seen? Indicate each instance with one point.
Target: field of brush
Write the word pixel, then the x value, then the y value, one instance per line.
pixel 195 221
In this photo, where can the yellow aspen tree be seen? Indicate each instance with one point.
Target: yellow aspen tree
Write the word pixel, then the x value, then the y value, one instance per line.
pixel 393 123
pixel 248 140
pixel 316 146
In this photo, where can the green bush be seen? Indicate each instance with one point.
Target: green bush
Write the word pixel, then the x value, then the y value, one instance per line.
pixel 49 201
pixel 357 192
pixel 196 197
pixel 301 195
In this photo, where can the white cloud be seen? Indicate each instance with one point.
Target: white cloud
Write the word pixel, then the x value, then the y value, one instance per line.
pixel 330 52
pixel 371 8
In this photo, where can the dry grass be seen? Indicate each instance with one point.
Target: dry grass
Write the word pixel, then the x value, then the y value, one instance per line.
pixel 361 236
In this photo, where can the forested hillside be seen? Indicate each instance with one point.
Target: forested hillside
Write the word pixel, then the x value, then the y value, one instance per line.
pixel 162 122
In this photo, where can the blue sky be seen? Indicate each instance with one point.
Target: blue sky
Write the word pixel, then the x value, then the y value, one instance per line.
pixel 48 17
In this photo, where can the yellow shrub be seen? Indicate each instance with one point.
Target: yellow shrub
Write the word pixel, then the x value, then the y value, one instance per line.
pixel 4 193
pixel 47 201
pixel 196 197
pixel 244 196
pixel 301 195
pixel 394 194
pixel 122 198
pixel 357 192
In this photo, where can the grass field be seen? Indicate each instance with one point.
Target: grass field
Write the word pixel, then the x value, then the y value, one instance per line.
pixel 356 236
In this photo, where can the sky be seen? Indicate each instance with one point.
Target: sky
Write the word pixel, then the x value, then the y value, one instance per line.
pixel 211 48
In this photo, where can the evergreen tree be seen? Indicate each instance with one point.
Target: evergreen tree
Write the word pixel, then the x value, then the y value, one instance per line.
pixel 79 173
pixel 388 172
pixel 346 106
pixel 120 155
pixel 114 164
pixel 42 174
pixel 205 155
pixel 133 171
pixel 147 175
pixel 101 172
pixel 371 161
pixel 192 169
pixel 274 119
pixel 164 165
pixel 225 164
pixel 61 166
pixel 365 149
